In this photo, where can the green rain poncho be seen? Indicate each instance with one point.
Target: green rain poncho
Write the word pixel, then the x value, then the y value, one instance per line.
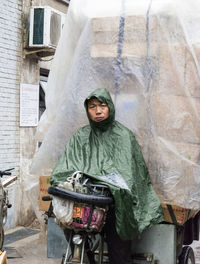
pixel 109 152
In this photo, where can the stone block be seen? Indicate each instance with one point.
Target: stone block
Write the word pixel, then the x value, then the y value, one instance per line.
pixel 105 36
pixel 174 169
pixel 163 108
pixel 176 117
pixel 192 72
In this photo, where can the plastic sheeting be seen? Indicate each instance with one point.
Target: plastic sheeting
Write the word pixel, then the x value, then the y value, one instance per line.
pixel 146 53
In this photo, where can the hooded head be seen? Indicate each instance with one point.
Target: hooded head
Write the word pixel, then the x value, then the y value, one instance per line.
pixel 103 96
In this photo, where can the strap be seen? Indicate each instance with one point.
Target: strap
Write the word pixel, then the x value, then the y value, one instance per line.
pixel 50 211
pixel 90 216
pixel 171 212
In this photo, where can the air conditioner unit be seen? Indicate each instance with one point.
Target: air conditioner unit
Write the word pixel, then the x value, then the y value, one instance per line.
pixel 46 26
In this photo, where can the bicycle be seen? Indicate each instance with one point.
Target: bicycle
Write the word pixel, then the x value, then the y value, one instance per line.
pixel 84 234
pixel 4 201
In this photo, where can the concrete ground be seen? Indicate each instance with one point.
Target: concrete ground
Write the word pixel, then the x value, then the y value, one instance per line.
pixel 28 247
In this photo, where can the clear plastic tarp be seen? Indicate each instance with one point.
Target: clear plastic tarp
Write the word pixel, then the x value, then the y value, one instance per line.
pixel 147 54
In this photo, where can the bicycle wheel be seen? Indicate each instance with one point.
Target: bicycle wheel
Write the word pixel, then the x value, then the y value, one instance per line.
pixel 187 256
pixel 1 237
pixel 97 247
pixel 67 256
pixel 100 249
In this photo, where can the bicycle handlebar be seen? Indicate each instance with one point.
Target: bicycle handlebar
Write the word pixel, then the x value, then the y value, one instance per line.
pixel 6 172
pixel 47 198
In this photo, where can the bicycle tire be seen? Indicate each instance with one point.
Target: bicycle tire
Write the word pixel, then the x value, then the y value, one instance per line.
pixel 1 238
pixel 80 197
pixel 101 247
pixel 187 256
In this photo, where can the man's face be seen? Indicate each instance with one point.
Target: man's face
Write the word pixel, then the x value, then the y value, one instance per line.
pixel 97 110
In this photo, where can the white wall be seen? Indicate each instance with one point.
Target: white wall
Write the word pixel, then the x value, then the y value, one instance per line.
pixel 10 70
pixel 18 145
pixel 10 65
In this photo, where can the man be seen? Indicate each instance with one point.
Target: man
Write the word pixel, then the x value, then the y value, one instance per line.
pixel 108 151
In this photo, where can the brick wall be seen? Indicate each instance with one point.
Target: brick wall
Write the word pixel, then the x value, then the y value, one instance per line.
pixel 10 61
pixel 10 71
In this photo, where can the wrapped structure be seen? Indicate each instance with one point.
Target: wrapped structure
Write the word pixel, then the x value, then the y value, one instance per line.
pixel 146 54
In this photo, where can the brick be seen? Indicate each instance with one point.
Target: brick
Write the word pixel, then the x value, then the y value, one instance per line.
pixel 11 51
pixel 8 135
pixel 6 143
pixel 11 160
pixel 7 96
pixel 10 116
pixel 10 164
pixel 14 150
pixel 10 29
pixel 8 75
pixel 8 109
pixel 8 81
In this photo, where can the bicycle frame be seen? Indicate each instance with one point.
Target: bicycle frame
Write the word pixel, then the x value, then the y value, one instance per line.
pixel 81 234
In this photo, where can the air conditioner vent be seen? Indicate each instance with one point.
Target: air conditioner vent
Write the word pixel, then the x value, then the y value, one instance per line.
pixel 38 28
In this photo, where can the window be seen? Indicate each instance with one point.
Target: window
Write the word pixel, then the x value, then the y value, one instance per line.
pixel 43 86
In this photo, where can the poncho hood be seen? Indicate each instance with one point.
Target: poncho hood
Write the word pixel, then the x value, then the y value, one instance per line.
pixel 113 157
pixel 103 96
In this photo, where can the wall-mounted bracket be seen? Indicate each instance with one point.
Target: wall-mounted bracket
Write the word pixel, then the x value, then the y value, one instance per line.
pixel 38 53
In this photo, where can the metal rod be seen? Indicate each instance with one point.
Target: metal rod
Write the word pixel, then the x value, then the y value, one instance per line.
pixel 83 249
pixel 67 252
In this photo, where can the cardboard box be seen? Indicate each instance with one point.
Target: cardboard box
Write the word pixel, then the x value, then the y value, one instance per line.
pixel 181 214
pixel 44 182
pixel 3 257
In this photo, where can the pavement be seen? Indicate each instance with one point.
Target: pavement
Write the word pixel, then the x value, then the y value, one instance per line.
pixel 27 246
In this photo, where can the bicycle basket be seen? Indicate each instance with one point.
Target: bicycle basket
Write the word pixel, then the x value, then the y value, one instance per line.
pixel 90 202
pixel 88 218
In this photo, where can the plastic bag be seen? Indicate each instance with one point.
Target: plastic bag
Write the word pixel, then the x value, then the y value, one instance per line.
pixel 84 218
pixel 146 54
pixel 63 210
